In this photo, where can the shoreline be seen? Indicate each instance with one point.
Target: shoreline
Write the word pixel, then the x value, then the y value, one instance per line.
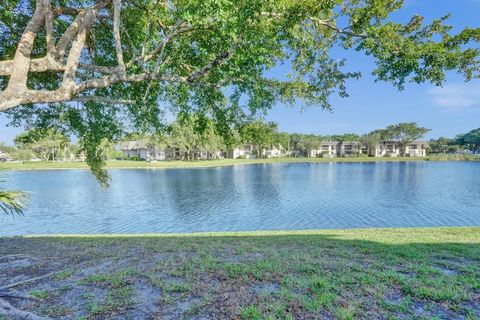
pixel 257 233
pixel 179 164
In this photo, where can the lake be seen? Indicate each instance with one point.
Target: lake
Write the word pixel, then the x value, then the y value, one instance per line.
pixel 249 197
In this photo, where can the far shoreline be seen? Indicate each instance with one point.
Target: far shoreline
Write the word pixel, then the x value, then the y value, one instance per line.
pixel 181 164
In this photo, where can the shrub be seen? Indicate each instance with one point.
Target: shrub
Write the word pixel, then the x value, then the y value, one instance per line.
pixel 454 157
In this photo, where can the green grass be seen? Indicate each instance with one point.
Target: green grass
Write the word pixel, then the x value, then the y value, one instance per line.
pixel 378 235
pixel 250 313
pixel 127 164
pixel 62 275
pixel 39 294
pixel 339 274
pixel 115 301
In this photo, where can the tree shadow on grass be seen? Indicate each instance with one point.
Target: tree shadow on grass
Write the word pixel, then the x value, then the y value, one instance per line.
pixel 369 273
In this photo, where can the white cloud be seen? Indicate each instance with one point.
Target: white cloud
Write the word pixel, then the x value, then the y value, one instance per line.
pixel 456 95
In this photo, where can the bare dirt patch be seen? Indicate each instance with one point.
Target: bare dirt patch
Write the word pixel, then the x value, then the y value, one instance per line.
pixel 303 277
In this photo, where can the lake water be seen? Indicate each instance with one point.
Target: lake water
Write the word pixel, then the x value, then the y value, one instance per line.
pixel 249 197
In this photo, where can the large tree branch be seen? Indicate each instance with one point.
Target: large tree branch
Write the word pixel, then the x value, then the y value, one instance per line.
pixel 76 49
pixel 145 57
pixel 215 62
pixel 21 60
pixel 329 23
pixel 75 26
pixel 65 94
pixel 116 34
pixel 47 7
pixel 44 64
pixel 75 38
pixel 160 50
pixel 57 12
pixel 70 33
pixel 54 60
pixel 103 100
pixel 116 78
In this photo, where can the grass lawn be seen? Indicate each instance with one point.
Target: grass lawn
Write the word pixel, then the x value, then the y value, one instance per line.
pixel 126 164
pixel 333 274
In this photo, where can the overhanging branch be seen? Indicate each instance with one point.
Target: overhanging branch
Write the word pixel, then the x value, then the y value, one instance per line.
pixel 71 43
pixel 215 62
pixel 103 100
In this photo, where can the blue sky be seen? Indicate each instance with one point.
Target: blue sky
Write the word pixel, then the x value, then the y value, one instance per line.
pixel 449 110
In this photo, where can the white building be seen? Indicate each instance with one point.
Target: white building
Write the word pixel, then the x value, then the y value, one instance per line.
pixel 248 151
pixel 394 149
pixel 141 150
pixel 416 149
pixel 356 148
pixel 350 148
pixel 272 153
pixel 4 156
pixel 245 151
pixel 208 155
pixel 327 149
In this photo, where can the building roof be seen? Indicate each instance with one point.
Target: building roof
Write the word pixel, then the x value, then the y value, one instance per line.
pixel 133 145
pixel 420 142
pixel 331 143
pixel 414 142
pixel 351 142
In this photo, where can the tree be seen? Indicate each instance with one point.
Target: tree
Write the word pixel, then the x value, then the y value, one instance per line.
pixel 311 142
pixel 184 136
pixel 6 149
pixel 44 143
pixel 188 133
pixel 371 140
pixel 470 140
pixel 297 143
pixel 210 140
pixel 443 145
pixel 23 140
pixel 282 139
pixel 302 143
pixel 107 151
pixel 95 66
pixel 404 134
pixel 259 133
pixel 345 137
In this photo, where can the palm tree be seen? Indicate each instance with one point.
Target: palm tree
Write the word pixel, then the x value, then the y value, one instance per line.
pixel 11 201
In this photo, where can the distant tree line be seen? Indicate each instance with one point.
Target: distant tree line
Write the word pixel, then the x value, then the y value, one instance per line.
pixel 51 145
pixel 467 141
pixel 190 134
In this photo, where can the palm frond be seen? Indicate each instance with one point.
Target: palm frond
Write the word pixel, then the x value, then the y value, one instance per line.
pixel 11 202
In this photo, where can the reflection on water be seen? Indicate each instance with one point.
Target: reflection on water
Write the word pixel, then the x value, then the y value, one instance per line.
pixel 249 197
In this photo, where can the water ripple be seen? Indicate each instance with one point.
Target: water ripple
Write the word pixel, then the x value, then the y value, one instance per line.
pixel 253 197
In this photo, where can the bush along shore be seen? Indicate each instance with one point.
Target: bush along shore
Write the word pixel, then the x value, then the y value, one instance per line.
pixel 334 274
pixel 126 164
